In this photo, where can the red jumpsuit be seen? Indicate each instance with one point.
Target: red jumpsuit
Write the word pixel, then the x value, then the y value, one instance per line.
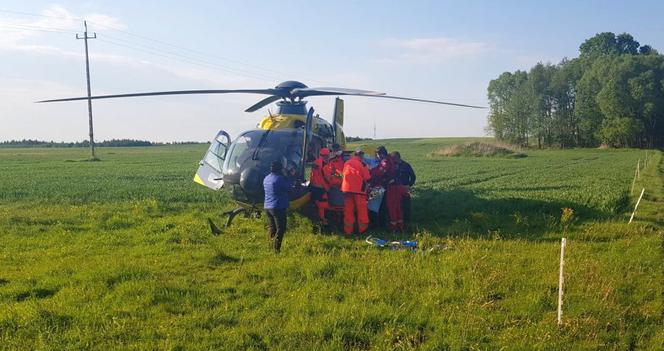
pixel 333 170
pixel 355 175
pixel 318 180
pixel 332 173
pixel 385 175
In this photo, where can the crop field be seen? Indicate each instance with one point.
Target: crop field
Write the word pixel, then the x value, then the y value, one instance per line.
pixel 117 254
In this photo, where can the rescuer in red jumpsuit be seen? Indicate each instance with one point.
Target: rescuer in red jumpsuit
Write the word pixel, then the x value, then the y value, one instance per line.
pixel 355 177
pixel 319 185
pixel 385 175
pixel 333 175
pixel 334 167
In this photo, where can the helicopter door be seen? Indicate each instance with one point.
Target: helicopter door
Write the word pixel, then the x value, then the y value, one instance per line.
pixel 209 172
pixel 307 136
pixel 338 122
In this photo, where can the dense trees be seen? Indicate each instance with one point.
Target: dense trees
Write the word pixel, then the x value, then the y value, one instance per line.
pixel 612 94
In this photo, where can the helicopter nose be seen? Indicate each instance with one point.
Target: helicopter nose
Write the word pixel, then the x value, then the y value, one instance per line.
pixel 251 181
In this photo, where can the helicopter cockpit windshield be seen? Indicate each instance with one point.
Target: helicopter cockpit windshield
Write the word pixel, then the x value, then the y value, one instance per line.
pixel 259 148
pixel 248 160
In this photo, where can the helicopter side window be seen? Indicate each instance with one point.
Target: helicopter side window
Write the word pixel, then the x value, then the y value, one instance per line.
pixel 285 146
pixel 241 150
pixel 293 157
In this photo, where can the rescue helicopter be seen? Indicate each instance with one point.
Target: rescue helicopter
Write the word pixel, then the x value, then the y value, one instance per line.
pixel 293 135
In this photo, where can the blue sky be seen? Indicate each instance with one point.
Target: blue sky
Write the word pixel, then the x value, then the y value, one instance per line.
pixel 446 50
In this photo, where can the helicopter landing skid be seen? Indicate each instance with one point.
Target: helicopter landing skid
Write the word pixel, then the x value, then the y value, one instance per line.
pixel 232 214
pixel 213 227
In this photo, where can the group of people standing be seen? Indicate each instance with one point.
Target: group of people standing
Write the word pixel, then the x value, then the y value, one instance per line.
pixel 336 182
pixel 355 179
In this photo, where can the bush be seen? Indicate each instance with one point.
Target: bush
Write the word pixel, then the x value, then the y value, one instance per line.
pixel 479 149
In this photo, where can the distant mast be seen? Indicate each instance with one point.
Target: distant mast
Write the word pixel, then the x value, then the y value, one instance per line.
pixel 374 130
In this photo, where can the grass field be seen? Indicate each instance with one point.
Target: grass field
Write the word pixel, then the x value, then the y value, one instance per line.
pixel 117 254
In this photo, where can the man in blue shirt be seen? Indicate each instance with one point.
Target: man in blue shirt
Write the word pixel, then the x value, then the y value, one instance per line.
pixel 276 187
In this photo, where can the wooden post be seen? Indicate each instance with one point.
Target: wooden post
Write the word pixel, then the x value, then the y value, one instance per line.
pixel 637 205
pixel 638 169
pixel 561 280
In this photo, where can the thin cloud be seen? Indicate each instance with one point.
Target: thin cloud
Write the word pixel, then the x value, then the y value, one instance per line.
pixel 26 36
pixel 431 50
pixel 18 32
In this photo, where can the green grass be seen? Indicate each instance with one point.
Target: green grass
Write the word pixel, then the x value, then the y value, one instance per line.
pixel 117 254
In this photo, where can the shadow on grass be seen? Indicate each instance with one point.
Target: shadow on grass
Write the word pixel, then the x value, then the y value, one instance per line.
pixel 221 258
pixel 36 294
pixel 462 213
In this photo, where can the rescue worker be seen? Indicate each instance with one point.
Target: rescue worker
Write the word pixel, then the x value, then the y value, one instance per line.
pixel 318 184
pixel 386 176
pixel 404 171
pixel 276 187
pixel 355 178
pixel 384 173
pixel 406 177
pixel 336 164
pixel 333 175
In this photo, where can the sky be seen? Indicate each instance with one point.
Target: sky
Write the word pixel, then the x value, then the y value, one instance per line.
pixel 441 50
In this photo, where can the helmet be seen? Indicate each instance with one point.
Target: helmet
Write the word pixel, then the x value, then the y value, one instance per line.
pixel 324 151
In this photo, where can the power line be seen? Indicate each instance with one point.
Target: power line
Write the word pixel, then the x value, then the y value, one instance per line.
pixel 39 15
pixel 181 58
pixel 281 75
pixel 36 28
pixel 224 67
pixel 199 52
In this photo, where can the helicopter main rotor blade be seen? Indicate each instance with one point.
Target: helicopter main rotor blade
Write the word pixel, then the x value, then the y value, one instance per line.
pixel 423 100
pixel 303 92
pixel 286 91
pixel 268 100
pixel 276 92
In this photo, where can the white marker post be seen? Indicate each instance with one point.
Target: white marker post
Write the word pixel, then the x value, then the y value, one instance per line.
pixel 638 169
pixel 561 280
pixel 637 205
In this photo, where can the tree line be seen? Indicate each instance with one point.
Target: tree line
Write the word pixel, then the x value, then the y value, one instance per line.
pixel 105 143
pixel 612 94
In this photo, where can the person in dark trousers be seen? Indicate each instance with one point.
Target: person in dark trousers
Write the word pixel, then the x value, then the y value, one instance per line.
pixel 276 187
pixel 406 176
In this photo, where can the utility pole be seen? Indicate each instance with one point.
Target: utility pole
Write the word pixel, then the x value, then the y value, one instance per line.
pixel 374 130
pixel 85 37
